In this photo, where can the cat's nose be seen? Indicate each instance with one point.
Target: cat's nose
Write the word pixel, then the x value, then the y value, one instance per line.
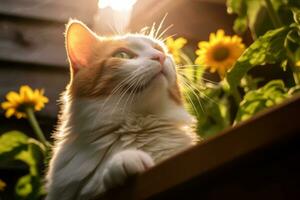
pixel 160 57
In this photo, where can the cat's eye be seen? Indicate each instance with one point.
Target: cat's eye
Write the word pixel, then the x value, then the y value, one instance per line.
pixel 123 54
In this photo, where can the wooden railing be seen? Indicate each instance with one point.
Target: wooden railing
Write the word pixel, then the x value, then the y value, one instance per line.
pixel 256 159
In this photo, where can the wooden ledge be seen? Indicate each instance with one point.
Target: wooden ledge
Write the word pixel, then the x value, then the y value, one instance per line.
pixel 274 126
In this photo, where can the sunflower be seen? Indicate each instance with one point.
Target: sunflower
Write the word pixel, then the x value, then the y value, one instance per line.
pixel 17 102
pixel 220 52
pixel 298 63
pixel 175 47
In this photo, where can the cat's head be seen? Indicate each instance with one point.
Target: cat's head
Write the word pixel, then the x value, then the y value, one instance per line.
pixel 134 69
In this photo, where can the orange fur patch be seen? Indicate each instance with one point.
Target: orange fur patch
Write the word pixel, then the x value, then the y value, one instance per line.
pixel 97 79
pixel 175 94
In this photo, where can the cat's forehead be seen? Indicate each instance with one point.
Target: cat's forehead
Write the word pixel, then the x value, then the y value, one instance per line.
pixel 140 42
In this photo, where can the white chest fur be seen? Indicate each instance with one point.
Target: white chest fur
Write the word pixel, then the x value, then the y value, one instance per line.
pixel 84 146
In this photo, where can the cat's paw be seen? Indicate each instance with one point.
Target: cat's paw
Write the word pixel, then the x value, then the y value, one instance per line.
pixel 124 164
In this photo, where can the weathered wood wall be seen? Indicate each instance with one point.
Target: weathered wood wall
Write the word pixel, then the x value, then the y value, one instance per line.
pixel 32 45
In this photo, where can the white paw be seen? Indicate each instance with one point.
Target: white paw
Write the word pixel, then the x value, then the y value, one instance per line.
pixel 124 164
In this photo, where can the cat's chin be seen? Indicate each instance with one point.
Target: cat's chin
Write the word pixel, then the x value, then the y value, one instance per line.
pixel 159 80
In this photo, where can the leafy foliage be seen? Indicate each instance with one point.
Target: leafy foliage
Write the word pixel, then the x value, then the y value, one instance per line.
pixel 15 145
pixel 210 107
pixel 254 101
pixel 256 15
pixel 269 48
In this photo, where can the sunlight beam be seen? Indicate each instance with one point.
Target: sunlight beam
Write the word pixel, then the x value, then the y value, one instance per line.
pixel 120 5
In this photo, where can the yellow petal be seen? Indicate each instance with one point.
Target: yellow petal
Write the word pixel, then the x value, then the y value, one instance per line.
pixel 13 97
pixel 212 37
pixel 180 42
pixel 6 105
pixel 9 112
pixel 220 33
pixel 20 115
pixel 169 41
pixel 203 45
pixel 26 93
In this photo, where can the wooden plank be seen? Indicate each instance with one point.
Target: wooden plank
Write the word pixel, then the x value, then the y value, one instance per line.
pixel 52 80
pixel 54 10
pixel 265 129
pixel 32 42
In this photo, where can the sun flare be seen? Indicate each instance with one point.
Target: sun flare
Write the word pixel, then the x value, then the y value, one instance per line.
pixel 119 5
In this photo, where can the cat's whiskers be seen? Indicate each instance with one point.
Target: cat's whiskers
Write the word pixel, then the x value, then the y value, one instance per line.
pixel 191 84
pixel 195 94
pixel 152 30
pixel 192 103
pixel 160 26
pixel 135 75
pixel 164 31
pixel 181 69
pixel 164 39
pixel 133 92
pixel 137 83
pixel 156 33
pixel 116 89
pixel 120 85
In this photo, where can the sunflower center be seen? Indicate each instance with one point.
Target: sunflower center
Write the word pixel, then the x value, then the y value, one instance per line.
pixel 221 53
pixel 22 107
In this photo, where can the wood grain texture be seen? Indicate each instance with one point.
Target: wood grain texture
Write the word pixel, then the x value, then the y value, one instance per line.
pixel 52 10
pixel 32 42
pixel 170 178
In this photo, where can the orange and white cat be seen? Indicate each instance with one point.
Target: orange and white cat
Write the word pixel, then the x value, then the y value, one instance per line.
pixel 122 113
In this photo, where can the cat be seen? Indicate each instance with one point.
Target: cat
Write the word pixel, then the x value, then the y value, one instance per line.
pixel 122 113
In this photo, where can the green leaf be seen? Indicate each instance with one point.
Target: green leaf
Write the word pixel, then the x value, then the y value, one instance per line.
pixel 15 145
pixel 24 186
pixel 255 15
pixel 249 83
pixel 210 107
pixel 37 149
pixel 240 25
pixel 11 144
pixel 266 49
pixel 296 14
pixel 11 140
pixel 29 187
pixel 255 101
pixel 250 13
pixel 259 20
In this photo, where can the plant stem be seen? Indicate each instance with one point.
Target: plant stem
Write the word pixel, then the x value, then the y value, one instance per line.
pixel 35 125
pixel 273 15
pixel 294 68
pixel 277 24
pixel 236 95
pixel 296 74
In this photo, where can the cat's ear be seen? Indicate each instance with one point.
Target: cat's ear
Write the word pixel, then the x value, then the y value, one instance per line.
pixel 80 44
